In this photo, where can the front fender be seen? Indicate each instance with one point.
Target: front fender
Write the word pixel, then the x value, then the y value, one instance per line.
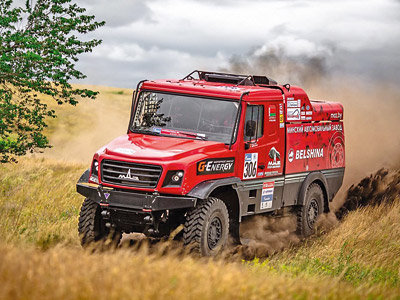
pixel 205 188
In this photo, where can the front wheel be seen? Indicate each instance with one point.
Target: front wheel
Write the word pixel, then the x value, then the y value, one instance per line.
pixel 92 227
pixel 307 214
pixel 206 227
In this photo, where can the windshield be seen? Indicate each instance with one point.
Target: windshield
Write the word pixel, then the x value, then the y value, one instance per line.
pixel 180 115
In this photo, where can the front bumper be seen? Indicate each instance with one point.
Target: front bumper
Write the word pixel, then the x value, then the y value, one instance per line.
pixel 135 201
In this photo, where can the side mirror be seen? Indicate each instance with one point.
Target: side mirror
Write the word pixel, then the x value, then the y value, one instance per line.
pixel 251 128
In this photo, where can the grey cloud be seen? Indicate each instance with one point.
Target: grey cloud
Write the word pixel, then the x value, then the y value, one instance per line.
pixel 176 44
pixel 118 12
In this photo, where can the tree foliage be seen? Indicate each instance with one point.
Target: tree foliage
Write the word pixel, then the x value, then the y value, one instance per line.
pixel 39 47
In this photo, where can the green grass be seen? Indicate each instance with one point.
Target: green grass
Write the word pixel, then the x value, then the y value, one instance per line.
pixel 41 256
pixel 38 202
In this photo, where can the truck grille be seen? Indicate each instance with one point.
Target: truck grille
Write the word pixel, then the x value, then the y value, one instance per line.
pixel 130 174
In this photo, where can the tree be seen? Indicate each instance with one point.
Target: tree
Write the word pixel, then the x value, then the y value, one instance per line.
pixel 39 47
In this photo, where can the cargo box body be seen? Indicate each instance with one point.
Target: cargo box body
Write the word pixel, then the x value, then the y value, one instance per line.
pixel 315 137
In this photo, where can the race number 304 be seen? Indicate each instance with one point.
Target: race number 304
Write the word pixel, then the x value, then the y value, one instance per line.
pixel 250 165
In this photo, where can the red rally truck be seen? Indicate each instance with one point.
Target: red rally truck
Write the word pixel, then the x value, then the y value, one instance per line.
pixel 208 151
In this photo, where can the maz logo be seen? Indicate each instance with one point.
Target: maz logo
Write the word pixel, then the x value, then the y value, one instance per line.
pixel 129 176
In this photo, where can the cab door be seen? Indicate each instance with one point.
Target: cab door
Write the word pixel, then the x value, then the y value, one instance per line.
pixel 264 156
pixel 254 141
pixel 274 138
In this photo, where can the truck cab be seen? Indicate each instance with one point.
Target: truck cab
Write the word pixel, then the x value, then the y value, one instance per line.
pixel 207 151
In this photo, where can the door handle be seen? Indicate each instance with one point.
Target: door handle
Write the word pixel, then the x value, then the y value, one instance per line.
pixel 262 167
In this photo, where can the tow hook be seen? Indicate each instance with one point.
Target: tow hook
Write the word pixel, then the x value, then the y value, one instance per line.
pixel 148 219
pixel 155 220
pixel 105 214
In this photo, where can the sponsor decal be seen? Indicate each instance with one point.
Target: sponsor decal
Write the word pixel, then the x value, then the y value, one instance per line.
pixel 216 166
pixel 129 176
pixel 309 113
pixel 272 113
pixel 308 118
pixel 267 195
pixel 290 155
pixel 293 114
pixel 260 174
pixel 290 98
pixel 271 173
pixel 281 119
pixel 157 130
pixel 276 159
pixel 337 115
pixel 294 103
pixel 107 195
pixel 337 156
pixel 282 125
pixel 314 128
pixel 337 127
pixel 309 153
pixel 94 179
pixel 308 107
pixel 303 117
pixel 250 165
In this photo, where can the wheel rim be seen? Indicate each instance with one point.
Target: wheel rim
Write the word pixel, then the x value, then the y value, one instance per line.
pixel 312 213
pixel 214 233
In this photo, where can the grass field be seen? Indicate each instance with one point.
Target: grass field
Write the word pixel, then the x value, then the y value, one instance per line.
pixel 41 257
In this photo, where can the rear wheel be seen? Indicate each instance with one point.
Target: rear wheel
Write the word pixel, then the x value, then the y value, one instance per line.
pixel 92 227
pixel 206 227
pixel 307 214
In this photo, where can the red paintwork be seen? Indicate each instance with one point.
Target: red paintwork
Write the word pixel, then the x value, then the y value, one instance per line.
pixel 314 146
pixel 174 153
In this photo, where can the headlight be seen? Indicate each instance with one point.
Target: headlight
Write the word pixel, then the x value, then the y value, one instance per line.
pixel 173 178
pixel 94 176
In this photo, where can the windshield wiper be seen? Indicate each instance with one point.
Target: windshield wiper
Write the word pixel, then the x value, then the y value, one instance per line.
pixel 145 131
pixel 196 135
pixel 152 132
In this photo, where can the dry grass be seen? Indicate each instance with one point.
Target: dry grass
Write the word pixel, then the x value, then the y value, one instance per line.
pixel 40 257
pixel 79 131
pixel 38 202
pixel 72 274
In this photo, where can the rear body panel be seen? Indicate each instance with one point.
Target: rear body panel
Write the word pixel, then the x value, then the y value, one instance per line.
pixel 314 146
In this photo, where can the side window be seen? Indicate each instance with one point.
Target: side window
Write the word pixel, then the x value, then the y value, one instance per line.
pixel 255 113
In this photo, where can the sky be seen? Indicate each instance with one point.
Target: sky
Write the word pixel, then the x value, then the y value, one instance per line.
pixel 154 39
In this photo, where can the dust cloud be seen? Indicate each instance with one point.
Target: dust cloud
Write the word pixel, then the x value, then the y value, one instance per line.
pixel 276 64
pixel 78 132
pixel 263 236
pixel 381 187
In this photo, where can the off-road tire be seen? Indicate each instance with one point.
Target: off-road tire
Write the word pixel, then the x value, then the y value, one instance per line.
pixel 308 213
pixel 92 227
pixel 206 227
